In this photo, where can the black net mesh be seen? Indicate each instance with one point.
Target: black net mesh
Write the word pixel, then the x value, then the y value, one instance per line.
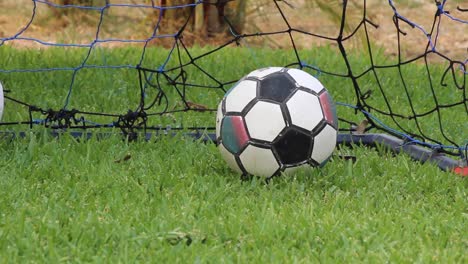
pixel 156 65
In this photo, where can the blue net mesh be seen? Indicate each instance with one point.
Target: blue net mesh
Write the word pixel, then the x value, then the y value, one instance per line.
pixel 138 65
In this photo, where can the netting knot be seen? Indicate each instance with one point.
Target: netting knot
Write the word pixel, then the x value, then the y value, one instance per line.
pixel 132 121
pixel 440 8
pixel 62 118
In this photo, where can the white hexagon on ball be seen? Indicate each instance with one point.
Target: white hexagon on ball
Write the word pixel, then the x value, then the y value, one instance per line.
pixel 265 121
pixel 259 161
pixel 229 158
pixel 305 110
pixel 306 80
pixel 324 144
pixel 240 95
pixel 260 73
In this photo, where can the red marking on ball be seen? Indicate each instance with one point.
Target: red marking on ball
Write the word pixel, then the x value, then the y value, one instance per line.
pixel 240 131
pixel 328 108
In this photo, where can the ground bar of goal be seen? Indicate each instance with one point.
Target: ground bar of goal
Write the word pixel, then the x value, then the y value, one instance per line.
pixel 391 143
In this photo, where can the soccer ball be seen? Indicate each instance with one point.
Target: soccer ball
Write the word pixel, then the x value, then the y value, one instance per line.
pixel 275 120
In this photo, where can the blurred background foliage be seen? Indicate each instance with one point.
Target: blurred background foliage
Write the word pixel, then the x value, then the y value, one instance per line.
pixel 208 16
pixel 203 22
pixel 209 22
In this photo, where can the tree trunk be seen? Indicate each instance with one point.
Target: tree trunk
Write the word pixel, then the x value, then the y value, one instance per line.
pixel 199 18
pixel 173 19
pixel 208 18
pixel 218 15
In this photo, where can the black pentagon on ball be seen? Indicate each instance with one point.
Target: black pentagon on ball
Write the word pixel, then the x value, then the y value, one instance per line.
pixel 293 146
pixel 276 87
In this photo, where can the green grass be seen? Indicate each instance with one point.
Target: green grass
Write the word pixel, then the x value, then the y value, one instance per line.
pixel 116 91
pixel 175 200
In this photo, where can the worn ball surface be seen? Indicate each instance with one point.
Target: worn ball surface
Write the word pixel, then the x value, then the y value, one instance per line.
pixel 275 120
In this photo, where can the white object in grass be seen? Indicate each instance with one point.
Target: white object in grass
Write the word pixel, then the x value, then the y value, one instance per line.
pixel 275 120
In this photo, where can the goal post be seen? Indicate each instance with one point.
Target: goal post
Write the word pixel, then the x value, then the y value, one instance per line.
pixel 149 66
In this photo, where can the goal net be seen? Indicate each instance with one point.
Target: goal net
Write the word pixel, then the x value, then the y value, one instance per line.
pixel 157 65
